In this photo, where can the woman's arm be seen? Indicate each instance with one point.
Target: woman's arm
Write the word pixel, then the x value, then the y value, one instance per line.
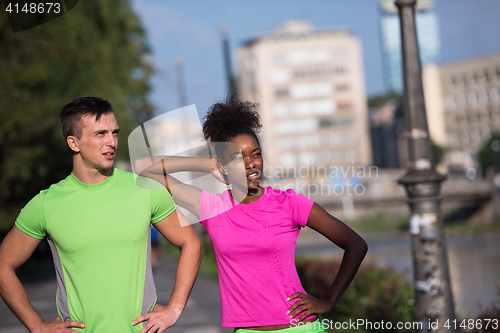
pixel 173 164
pixel 185 195
pixel 355 250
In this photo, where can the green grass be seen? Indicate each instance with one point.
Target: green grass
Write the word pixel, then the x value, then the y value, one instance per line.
pixel 386 223
pixel 380 223
pixel 471 228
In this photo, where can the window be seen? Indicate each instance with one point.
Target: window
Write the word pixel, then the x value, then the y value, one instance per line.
pixel 494 95
pixel 335 122
pixel 311 90
pixel 483 97
pixel 487 76
pixel 288 159
pixel 472 98
pixel 281 110
pixel 344 106
pixel 296 126
pixel 339 53
pixel 282 92
pixel 280 76
pixel 490 115
pixel 278 58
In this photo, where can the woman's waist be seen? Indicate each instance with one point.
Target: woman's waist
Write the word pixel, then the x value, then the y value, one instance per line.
pixel 292 324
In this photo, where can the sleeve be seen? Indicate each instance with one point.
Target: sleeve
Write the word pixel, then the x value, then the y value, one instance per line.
pixel 162 204
pixel 207 204
pixel 31 220
pixel 300 207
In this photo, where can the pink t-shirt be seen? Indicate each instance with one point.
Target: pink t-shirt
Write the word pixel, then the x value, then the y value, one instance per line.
pixel 255 249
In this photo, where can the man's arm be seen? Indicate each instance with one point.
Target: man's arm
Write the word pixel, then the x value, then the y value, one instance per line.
pixel 15 250
pixel 186 239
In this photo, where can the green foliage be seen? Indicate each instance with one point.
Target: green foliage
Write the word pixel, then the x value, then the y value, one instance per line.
pixel 378 100
pixel 437 152
pixel 96 49
pixel 374 295
pixel 489 154
pixel 490 316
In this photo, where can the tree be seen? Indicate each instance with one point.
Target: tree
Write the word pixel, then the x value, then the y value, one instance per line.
pixel 489 154
pixel 96 49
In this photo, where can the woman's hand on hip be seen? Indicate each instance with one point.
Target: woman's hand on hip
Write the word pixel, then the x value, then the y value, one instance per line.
pixel 307 305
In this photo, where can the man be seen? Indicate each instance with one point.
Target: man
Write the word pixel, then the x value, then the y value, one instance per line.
pixel 97 224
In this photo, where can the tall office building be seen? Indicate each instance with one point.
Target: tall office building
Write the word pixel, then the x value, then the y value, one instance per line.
pixel 427 35
pixel 311 91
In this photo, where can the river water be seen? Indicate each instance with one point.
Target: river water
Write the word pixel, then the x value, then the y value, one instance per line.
pixel 474 263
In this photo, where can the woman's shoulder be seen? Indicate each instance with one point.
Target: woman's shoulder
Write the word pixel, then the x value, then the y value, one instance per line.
pixel 282 196
pixel 219 196
pixel 289 196
pixel 221 199
pixel 270 191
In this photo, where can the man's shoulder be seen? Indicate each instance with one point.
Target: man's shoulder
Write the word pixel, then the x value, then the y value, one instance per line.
pixel 146 183
pixel 123 174
pixel 127 176
pixel 63 183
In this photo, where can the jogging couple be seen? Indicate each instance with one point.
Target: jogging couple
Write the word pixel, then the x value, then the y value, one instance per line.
pixel 97 222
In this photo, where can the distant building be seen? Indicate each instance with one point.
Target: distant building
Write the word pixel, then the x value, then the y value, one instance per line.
pixel 389 146
pixel 311 90
pixel 464 101
pixel 390 31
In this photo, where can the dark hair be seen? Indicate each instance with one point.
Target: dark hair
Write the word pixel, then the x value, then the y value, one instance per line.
pixel 231 118
pixel 72 112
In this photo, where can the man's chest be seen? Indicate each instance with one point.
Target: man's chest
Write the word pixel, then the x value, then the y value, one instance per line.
pixel 78 222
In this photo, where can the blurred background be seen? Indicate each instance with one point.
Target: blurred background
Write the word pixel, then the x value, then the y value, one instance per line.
pixel 328 78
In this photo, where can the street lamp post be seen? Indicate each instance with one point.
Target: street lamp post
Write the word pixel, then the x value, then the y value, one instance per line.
pixel 227 59
pixel 181 87
pixel 433 297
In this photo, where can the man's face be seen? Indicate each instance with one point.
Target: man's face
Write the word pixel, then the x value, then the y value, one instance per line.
pixel 98 141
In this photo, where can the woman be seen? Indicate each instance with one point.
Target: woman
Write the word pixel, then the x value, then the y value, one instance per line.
pixel 254 230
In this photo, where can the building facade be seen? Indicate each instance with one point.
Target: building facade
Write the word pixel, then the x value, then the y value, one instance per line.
pixel 466 105
pixel 427 34
pixel 311 91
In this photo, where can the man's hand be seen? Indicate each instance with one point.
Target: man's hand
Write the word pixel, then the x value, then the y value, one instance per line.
pixel 59 326
pixel 307 305
pixel 161 318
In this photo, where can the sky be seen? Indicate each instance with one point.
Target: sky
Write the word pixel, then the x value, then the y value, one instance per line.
pixel 190 30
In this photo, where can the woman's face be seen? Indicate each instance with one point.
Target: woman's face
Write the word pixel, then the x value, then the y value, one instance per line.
pixel 247 163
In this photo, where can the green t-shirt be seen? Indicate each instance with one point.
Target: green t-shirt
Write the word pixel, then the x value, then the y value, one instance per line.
pixel 99 240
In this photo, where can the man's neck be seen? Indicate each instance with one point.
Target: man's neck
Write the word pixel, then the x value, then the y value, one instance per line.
pixel 91 176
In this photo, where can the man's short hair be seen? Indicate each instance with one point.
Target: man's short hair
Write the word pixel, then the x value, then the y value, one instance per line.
pixel 72 113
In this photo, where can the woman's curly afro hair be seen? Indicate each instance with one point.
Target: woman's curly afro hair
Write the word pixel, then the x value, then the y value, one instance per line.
pixel 231 118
